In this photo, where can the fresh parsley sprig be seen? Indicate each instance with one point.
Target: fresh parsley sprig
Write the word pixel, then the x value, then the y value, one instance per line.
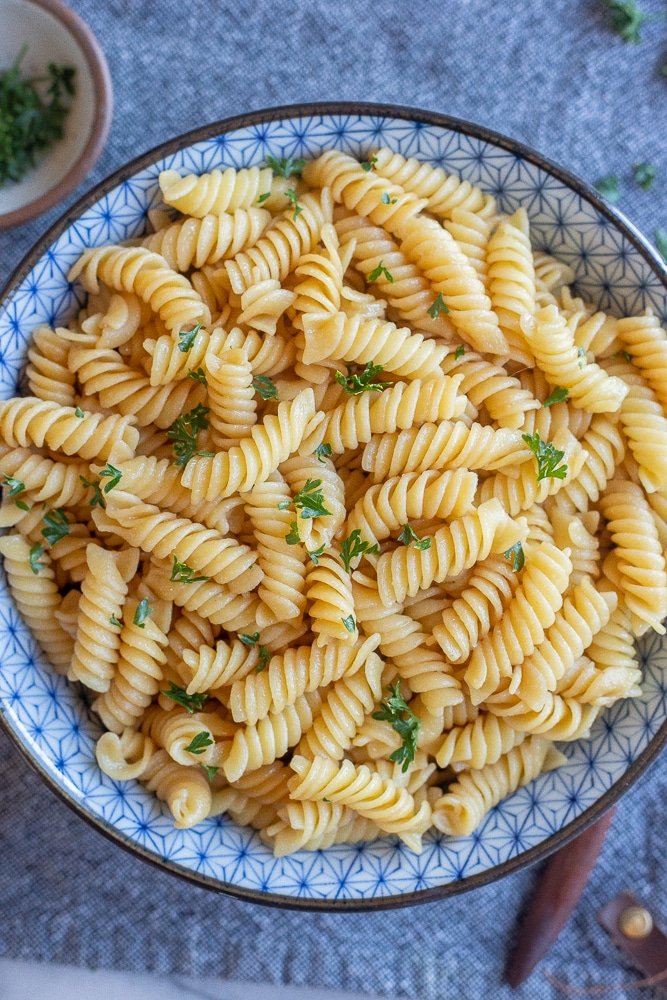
pixel 285 166
pixel 264 651
pixel 191 702
pixel 388 200
pixel 200 742
pixel 15 486
pixel 309 501
pixel 367 165
pixel 356 383
pixel 143 611
pixel 182 573
pixel 97 498
pixel 627 19
pixel 557 396
pixel 323 451
pixel 199 375
pixel 438 307
pixel 57 526
pixel 293 537
pixel 459 352
pixel 183 432
pixel 516 554
pixel 115 476
pixel 36 553
pixel 644 174
pixel 78 412
pixel 353 546
pixel 349 623
pixel 378 272
pixel 407 535
pixel 265 387
pixel 186 338
pixel 548 457
pixel 403 721
pixel 114 621
pixel 316 553
pixel 292 196
pixel 609 187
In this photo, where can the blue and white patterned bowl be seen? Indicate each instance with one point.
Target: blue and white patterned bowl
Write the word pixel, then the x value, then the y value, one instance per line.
pixel 48 718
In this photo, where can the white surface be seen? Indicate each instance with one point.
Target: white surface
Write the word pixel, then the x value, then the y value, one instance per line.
pixel 32 981
pixel 48 41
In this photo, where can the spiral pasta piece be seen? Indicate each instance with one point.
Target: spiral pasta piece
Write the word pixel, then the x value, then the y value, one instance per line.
pixel 443 192
pixel 169 362
pixel 37 599
pixel 640 558
pixel 603 451
pixel 209 599
pixel 103 592
pixel 126 756
pixel 644 425
pixel 211 668
pixel 512 281
pixel 472 231
pixel 254 746
pixel 599 686
pixel 488 385
pixel 321 278
pixel 263 304
pixel 286 240
pixel 589 387
pixel 208 239
pixel 559 719
pixel 231 397
pixel 478 744
pixel 384 508
pixel 646 342
pixel 134 269
pixel 293 673
pixel 140 659
pixel 29 420
pixel 175 732
pixel 204 550
pixel 478 609
pixel 329 591
pixel 255 458
pixel 297 470
pixel 454 547
pixel 48 481
pixel 461 809
pixel 215 192
pixel 186 790
pixel 123 317
pixel 531 611
pixel 354 338
pixel 49 376
pixel 445 445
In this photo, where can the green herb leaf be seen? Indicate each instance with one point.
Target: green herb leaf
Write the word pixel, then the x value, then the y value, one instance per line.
pixel 143 611
pixel 182 573
pixel 114 474
pixel 211 771
pixel 286 166
pixel 192 702
pixel 264 659
pixel 403 721
pixel 609 187
pixel 349 623
pixel 265 386
pixel 57 526
pixel 627 19
pixel 36 552
pixel 377 272
pixel 407 535
pixel 114 621
pixel 645 175
pixel 199 375
pixel 661 241
pixel 459 352
pixel 316 553
pixel 200 742
pixel 547 457
pixel 97 500
pixel 293 537
pixel 183 432
pixel 15 485
pixel 438 307
pixel 516 554
pixel 186 338
pixel 388 200
pixel 249 640
pixel 22 505
pixel 557 396
pixel 354 384
pixel 368 165
pixel 309 501
pixel 625 355
pixel 292 196
pixel 79 413
pixel 352 546
pixel 262 198
pixel 323 451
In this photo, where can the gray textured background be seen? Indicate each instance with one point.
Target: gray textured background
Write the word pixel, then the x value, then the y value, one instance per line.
pixel 551 74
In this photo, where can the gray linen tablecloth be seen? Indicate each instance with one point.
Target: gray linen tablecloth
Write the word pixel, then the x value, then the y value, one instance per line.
pixel 550 74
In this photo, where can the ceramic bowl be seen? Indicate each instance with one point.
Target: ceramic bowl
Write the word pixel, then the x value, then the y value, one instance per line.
pixel 52 32
pixel 48 718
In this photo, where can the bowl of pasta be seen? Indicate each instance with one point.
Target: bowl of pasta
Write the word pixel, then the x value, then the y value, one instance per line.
pixel 334 466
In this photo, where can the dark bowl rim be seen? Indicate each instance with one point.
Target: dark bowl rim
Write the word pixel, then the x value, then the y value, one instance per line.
pixel 521 151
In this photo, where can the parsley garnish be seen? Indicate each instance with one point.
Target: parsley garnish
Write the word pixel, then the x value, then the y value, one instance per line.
pixel 262 198
pixel 407 535
pixel 609 187
pixel 517 556
pixel 265 386
pixel 192 702
pixel 438 307
pixel 349 623
pixel 286 165
pixel 211 771
pixel 627 19
pixel 557 396
pixel 459 352
pixel 661 241
pixel 388 200
pixel 186 338
pixel 645 175
pixel 143 611
pixel 97 500
pixel 114 474
pixel 182 573
pixel 293 537
pixel 15 486
pixel 355 384
pixel 114 621
pixel 368 165
pixel 249 640
pixel 404 722
pixel 316 553
pixel 547 457
pixel 623 354
pixel 199 375
pixel 264 652
pixel 29 125
pixel 21 504
pixel 199 742
pixel 352 546
pixel 79 413
pixel 292 196
pixel 57 526
pixel 309 500
pixel 378 271
pixel 323 451
pixel 183 432
pixel 36 552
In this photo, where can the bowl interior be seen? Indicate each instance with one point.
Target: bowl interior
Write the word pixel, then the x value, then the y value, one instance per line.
pixel 50 719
